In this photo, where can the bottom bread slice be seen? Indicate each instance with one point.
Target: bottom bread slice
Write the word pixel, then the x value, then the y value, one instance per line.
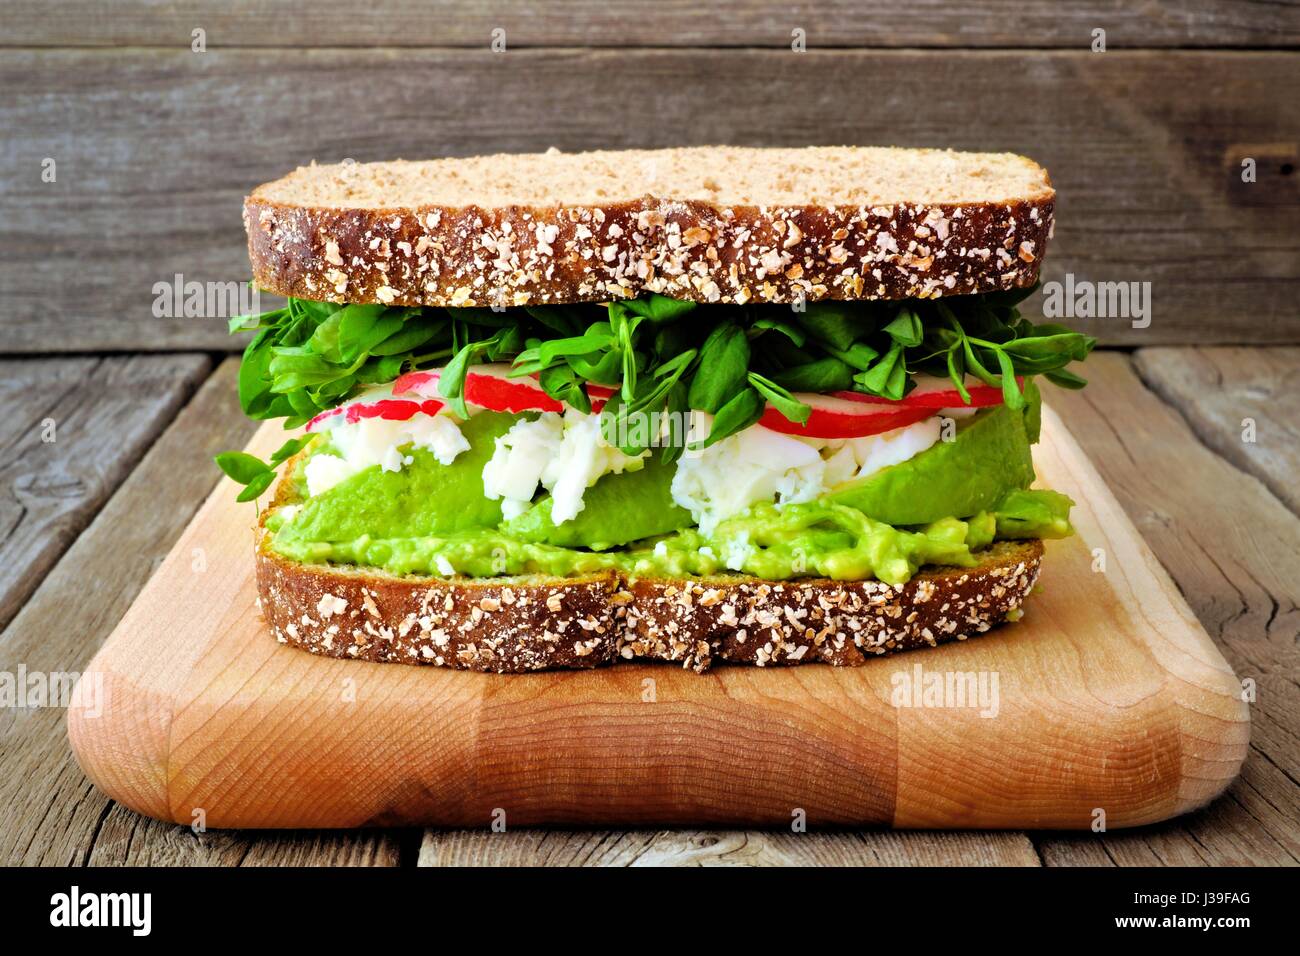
pixel 518 624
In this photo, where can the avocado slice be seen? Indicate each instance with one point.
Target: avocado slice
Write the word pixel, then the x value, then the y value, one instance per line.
pixel 987 459
pixel 616 509
pixel 426 498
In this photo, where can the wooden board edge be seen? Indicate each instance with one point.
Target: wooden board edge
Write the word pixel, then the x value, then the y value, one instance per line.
pixel 110 710
pixel 128 777
pixel 1213 718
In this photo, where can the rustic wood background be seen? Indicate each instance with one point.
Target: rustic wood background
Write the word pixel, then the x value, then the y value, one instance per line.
pixel 155 146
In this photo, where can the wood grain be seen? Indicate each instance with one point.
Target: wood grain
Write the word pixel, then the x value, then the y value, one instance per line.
pixel 156 149
pixel 672 23
pixel 52 815
pixel 1233 550
pixel 128 839
pixel 1110 697
pixel 723 848
pixel 1243 403
pixel 73 429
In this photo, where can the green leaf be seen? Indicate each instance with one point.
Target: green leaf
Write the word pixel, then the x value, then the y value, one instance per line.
pixel 241 466
pixel 832 323
pixel 364 327
pixel 623 330
pixel 243 323
pixel 597 338
pixel 413 334
pixel 289 449
pixel 255 487
pixel 859 355
pixel 781 399
pixel 563 385
pixel 743 410
pixel 823 375
pixel 905 329
pixel 255 376
pixel 566 320
pixel 665 379
pixel 317 311
pixel 302 404
pixel 957 372
pixel 379 371
pixel 658 308
pixel 1033 411
pixel 451 383
pixel 887 377
pixel 1011 396
pixel 297 366
pixel 324 342
pixel 724 363
pixel 679 421
pixel 788 329
pixel 616 426
pixel 1065 379
pixel 507 343
pixel 602 367
pixel 975 366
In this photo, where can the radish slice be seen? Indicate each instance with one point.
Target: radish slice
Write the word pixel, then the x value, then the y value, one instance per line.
pixel 599 395
pixel 834 417
pixel 417 383
pixel 373 403
pixel 487 386
pixel 936 393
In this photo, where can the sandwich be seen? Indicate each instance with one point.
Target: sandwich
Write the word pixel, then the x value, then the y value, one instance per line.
pixel 760 406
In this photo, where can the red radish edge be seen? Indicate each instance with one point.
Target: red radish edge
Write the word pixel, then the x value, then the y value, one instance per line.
pixel 823 423
pixel 487 386
pixel 377 403
pixel 934 396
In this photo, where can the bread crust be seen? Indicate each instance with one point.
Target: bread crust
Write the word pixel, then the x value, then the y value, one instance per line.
pixel 502 625
pixel 515 625
pixel 692 249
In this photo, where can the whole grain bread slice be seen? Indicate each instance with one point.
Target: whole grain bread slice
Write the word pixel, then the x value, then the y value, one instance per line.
pixel 520 624
pixel 709 224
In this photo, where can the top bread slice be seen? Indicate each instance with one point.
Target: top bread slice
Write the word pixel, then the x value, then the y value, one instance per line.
pixel 708 224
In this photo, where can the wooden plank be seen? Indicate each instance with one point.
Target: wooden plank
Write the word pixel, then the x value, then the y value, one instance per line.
pixel 127 839
pixel 1232 548
pixel 52 813
pixel 154 153
pixel 73 428
pixel 1242 403
pixel 723 848
pixel 675 23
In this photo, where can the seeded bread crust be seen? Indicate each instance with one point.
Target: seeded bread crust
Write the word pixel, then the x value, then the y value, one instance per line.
pixel 314 244
pixel 515 625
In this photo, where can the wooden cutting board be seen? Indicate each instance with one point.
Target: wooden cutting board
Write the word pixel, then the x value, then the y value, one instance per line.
pixel 1111 705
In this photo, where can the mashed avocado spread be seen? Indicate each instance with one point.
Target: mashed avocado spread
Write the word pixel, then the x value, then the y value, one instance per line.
pixel 940 507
